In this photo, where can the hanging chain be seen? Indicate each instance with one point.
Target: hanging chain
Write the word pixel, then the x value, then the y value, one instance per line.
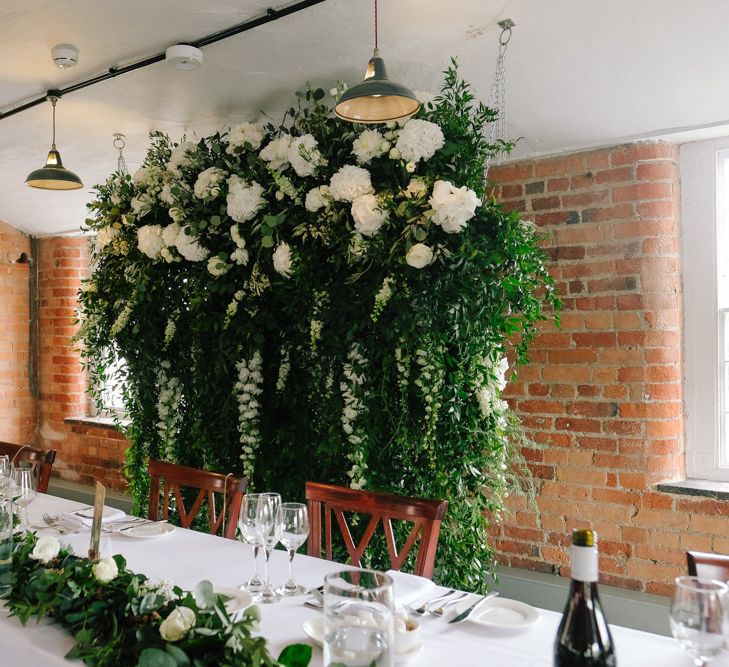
pixel 497 97
pixel 119 143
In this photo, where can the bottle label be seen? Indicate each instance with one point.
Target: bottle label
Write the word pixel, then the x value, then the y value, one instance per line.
pixel 584 563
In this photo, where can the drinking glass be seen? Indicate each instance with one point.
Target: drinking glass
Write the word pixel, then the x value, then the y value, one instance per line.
pixel 698 617
pixel 294 531
pixel 24 481
pixel 247 525
pixel 358 620
pixel 268 527
pixel 5 469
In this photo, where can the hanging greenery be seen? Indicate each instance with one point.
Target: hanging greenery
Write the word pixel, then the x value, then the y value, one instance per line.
pixel 323 301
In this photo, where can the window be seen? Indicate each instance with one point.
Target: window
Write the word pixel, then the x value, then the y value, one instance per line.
pixel 112 391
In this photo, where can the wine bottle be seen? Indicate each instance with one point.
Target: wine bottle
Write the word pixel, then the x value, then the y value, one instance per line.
pixel 583 638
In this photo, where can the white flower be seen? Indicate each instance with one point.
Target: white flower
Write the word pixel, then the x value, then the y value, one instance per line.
pixel 419 255
pixel 240 256
pixel 350 182
pixel 282 260
pixel 370 144
pixel 394 154
pixel 207 185
pixel 317 198
pixel 245 133
pixel 419 140
pixel 416 188
pixel 500 369
pixel 177 214
pixel 105 570
pixel 453 206
pixel 277 152
pixel 181 156
pixel 367 214
pixel 239 241
pixel 189 247
pixel 45 549
pixel 105 236
pixel 142 204
pixel 149 240
pixel 141 177
pixel 166 196
pixel 304 155
pixel 180 621
pixel 217 267
pixel 410 167
pixel 244 199
pixel 170 234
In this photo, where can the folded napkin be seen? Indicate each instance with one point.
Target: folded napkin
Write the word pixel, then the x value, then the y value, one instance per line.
pixel 86 516
pixel 410 588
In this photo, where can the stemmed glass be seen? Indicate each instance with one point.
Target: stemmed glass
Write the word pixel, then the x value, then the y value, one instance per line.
pixel 268 527
pixel 247 525
pixel 294 531
pixel 25 489
pixel 698 617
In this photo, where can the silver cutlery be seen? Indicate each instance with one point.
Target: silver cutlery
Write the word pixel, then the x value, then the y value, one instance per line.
pixel 476 605
pixel 57 524
pixel 423 607
pixel 438 611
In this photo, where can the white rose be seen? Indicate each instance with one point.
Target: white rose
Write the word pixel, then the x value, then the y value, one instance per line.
pixel 350 182
pixel 277 152
pixel 245 133
pixel 410 167
pixel 370 144
pixel 104 236
pixel 367 214
pixel 244 199
pixel 453 207
pixel 45 549
pixel 149 240
pixel 180 621
pixel 189 247
pixel 394 154
pixel 416 188
pixel 419 256
pixel 170 234
pixel 317 198
pixel 105 570
pixel 304 155
pixel 217 267
pixel 282 260
pixel 240 256
pixel 419 140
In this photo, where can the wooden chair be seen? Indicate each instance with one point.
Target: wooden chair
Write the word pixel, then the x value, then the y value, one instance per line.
pixel 41 460
pixel 708 566
pixel 169 478
pixel 426 515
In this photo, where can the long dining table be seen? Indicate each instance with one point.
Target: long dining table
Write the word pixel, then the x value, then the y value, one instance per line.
pixel 187 557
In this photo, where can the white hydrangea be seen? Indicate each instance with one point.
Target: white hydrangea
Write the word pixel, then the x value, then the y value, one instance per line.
pixel 181 156
pixel 350 182
pixel 244 199
pixel 189 247
pixel 317 198
pixel 149 240
pixel 141 177
pixel 419 140
pixel 170 234
pixel 283 260
pixel 304 155
pixel 245 133
pixel 453 207
pixel 368 145
pixel 104 237
pixel 217 266
pixel 276 153
pixel 367 214
pixel 142 204
pixel 207 185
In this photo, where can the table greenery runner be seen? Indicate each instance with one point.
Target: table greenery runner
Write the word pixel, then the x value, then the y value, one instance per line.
pixel 325 301
pixel 120 618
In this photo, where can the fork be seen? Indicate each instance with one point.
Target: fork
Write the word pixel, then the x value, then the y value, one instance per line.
pixel 424 607
pixel 55 523
pixel 438 611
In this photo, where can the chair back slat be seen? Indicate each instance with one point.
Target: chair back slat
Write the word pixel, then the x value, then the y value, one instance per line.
pixel 168 479
pixel 708 566
pixel 426 516
pixel 42 461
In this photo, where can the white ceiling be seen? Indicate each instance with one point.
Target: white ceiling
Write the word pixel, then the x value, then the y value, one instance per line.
pixel 580 73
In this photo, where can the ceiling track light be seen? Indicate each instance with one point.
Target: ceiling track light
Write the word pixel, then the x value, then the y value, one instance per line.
pixel 376 99
pixel 54 176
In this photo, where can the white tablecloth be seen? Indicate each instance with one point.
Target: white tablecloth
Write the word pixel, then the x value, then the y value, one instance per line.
pixel 187 557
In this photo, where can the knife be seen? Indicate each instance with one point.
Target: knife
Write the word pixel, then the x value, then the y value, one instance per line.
pixel 467 611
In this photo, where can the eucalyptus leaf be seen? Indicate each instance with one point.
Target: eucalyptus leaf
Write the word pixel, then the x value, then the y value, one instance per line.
pixel 154 657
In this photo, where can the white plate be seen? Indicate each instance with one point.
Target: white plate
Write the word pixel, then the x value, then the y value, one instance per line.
pixel 239 601
pixel 148 530
pixel 505 614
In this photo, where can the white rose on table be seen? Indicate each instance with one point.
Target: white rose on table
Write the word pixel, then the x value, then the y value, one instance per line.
pixel 105 570
pixel 180 621
pixel 46 549
pixel 419 256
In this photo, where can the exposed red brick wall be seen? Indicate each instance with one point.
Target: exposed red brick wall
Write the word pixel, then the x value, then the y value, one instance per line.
pixel 17 405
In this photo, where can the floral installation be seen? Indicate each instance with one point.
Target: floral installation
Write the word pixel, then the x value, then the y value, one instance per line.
pixel 235 237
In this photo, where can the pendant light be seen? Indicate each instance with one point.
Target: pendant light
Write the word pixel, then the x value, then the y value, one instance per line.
pixel 54 176
pixel 376 99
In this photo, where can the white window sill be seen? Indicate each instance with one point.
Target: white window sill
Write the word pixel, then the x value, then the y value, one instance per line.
pixel 101 422
pixel 696 487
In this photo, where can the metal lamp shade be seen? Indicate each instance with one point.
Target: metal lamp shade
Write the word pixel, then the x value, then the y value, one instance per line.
pixel 54 176
pixel 376 99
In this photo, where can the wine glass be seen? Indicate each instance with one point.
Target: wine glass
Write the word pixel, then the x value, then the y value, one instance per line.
pixel 5 469
pixel 24 481
pixel 268 527
pixel 294 531
pixel 698 617
pixel 247 525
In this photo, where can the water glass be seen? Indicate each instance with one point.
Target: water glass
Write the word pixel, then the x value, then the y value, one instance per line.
pixel 24 480
pixel 294 531
pixel 698 617
pixel 247 525
pixel 358 619
pixel 268 527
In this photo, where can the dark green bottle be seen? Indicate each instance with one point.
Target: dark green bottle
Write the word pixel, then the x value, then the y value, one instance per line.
pixel 583 638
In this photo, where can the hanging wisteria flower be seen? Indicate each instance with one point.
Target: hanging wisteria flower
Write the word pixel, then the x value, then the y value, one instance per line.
pixel 368 145
pixel 453 207
pixel 105 570
pixel 419 140
pixel 416 189
pixel 122 319
pixel 488 392
pixel 244 199
pixel 317 198
pixel 218 266
pixel 207 185
pixel 168 410
pixel 180 621
pixel 245 135
pixel 283 260
pixel 248 388
pixel 142 204
pixel 419 256
pixel 367 214
pixel 350 182
pixel 382 298
pixel 149 240
pixel 351 387
pixel 304 155
pixel 181 156
pixel 189 246
pixel 276 153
